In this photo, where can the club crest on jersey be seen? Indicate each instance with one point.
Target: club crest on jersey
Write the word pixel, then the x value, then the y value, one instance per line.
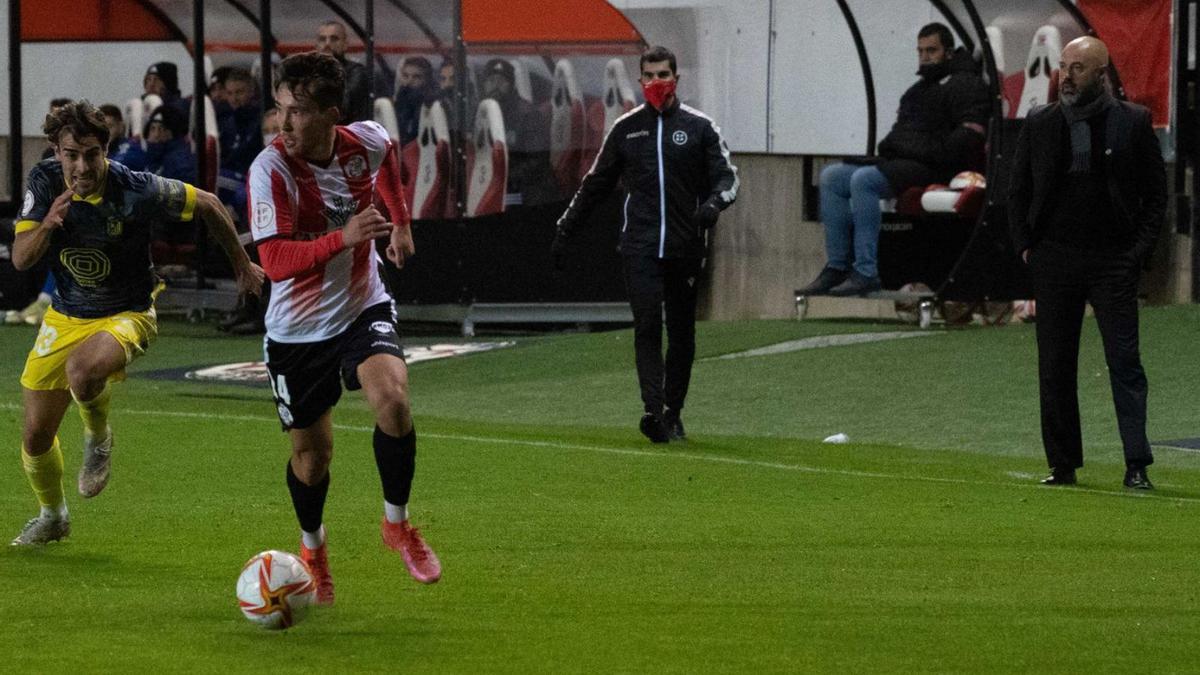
pixel 356 167
pixel 28 205
pixel 679 137
pixel 382 327
pixel 264 215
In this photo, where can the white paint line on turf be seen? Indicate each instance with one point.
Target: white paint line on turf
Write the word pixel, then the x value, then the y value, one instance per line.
pixel 715 459
pixel 821 341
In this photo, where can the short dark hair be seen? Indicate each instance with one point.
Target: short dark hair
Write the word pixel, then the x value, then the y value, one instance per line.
pixel 315 75
pixel 78 117
pixel 940 30
pixel 110 110
pixel 420 62
pixel 58 102
pixel 658 53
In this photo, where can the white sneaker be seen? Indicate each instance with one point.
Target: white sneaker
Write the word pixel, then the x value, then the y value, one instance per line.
pixel 93 475
pixel 43 530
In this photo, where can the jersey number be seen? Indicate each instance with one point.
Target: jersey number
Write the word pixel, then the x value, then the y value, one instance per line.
pixel 279 386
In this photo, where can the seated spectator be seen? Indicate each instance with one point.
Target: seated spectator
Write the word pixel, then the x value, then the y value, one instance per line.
pixel 356 103
pixel 239 123
pixel 115 122
pixel 527 133
pixel 216 88
pixel 416 88
pixel 168 151
pixel 445 94
pixel 939 130
pixel 162 80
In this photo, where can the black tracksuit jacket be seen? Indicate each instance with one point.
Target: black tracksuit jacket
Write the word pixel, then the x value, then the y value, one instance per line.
pixel 667 164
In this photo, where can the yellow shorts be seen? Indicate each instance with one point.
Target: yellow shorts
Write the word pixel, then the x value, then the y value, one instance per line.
pixel 46 365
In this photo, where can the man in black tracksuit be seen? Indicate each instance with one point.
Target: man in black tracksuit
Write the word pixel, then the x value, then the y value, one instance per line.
pixel 675 169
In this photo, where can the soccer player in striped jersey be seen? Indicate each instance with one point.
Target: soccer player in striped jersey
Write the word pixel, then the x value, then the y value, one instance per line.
pixel 319 196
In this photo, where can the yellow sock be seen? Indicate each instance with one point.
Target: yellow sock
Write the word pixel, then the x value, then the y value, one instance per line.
pixel 45 476
pixel 95 412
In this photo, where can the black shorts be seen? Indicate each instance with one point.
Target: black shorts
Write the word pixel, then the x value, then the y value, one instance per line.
pixel 305 375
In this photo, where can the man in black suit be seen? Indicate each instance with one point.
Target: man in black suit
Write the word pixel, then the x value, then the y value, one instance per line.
pixel 1086 203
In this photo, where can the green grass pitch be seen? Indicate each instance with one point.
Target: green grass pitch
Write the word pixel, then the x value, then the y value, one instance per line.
pixel 570 544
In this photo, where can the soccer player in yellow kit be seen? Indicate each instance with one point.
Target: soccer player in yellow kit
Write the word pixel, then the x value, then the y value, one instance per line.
pixel 93 217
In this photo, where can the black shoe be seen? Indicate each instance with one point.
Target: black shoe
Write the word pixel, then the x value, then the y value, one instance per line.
pixel 653 428
pixel 827 279
pixel 857 284
pixel 252 326
pixel 1060 477
pixel 1136 478
pixel 674 427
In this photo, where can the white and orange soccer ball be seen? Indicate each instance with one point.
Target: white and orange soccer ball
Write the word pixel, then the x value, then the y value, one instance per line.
pixel 275 589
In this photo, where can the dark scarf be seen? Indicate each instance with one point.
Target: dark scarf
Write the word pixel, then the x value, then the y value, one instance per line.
pixel 1081 132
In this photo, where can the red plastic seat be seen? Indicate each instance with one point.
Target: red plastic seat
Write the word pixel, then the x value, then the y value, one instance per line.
pixel 487 162
pixel 568 127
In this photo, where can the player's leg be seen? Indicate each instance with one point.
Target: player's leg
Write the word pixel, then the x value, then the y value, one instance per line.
pixel 644 285
pixel 680 288
pixel 89 368
pixel 383 377
pixel 42 460
pixel 308 484
pixel 44 390
pixel 304 379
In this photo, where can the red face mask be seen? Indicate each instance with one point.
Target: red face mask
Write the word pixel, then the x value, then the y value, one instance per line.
pixel 657 92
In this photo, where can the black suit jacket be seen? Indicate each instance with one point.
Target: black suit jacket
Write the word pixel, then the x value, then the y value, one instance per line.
pixel 1137 178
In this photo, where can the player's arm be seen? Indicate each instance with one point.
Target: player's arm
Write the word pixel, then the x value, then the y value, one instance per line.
pixel 597 184
pixel 1020 193
pixel 389 188
pixel 722 176
pixel 33 237
pixel 221 228
pixel 285 259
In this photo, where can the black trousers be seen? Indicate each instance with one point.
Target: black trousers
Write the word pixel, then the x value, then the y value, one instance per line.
pixel 1064 279
pixel 655 285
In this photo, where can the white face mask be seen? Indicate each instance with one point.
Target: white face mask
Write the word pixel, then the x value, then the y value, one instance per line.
pixel 267 138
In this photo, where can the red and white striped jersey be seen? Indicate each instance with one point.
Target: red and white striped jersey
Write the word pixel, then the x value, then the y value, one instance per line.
pixel 292 199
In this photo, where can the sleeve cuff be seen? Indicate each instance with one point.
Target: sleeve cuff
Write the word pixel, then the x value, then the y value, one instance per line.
pixel 25 226
pixel 189 203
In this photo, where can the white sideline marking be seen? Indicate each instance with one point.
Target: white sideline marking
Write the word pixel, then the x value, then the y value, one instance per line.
pixel 824 341
pixel 715 459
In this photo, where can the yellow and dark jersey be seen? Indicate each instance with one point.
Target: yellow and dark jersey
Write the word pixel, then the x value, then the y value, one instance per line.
pixel 100 257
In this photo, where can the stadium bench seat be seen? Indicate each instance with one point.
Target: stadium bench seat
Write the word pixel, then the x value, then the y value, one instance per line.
pixel 487 162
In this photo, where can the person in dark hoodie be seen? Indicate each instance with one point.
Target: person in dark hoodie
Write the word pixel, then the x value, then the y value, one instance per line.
pixel 939 131
pixel 416 88
pixel 356 102
pixel 168 153
pixel 162 80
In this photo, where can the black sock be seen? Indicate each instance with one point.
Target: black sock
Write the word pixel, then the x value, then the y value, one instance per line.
pixel 397 461
pixel 308 500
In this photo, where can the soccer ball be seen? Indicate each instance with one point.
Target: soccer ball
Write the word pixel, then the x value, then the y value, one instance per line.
pixel 275 589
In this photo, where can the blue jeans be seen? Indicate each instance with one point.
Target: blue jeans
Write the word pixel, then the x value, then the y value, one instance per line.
pixel 850 197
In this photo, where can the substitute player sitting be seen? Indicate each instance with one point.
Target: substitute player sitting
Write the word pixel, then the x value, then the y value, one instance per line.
pixel 315 195
pixel 93 218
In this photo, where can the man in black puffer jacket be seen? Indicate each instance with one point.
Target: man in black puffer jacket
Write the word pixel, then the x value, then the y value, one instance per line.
pixel 939 132
pixel 674 167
